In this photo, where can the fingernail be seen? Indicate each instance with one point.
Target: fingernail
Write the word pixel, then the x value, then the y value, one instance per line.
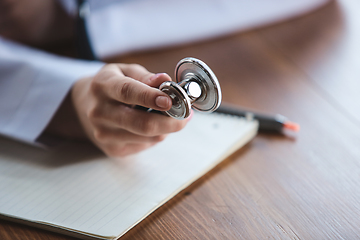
pixel 191 115
pixel 156 76
pixel 163 102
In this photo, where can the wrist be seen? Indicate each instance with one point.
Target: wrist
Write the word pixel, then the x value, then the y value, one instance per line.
pixel 65 122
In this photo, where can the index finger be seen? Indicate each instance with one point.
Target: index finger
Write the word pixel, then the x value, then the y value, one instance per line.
pixel 128 90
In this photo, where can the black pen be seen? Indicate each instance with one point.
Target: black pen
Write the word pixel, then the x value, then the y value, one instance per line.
pixel 268 123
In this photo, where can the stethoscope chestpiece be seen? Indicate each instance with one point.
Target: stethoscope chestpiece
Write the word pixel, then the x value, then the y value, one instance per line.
pixel 196 86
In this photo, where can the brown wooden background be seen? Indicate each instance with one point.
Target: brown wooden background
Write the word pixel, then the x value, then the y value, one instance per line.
pixel 299 186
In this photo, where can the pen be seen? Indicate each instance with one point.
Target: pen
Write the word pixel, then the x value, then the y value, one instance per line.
pixel 268 123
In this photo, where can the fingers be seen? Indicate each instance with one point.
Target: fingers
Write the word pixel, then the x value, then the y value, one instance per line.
pixel 103 104
pixel 134 120
pixel 140 73
pixel 132 84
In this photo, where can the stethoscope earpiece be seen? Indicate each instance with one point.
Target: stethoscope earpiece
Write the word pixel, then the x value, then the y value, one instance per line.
pixel 196 86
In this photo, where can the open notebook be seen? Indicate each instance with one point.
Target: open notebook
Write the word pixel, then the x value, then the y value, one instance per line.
pixel 77 191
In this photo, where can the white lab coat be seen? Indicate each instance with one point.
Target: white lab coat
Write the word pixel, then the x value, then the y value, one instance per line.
pixel 34 83
pixel 32 86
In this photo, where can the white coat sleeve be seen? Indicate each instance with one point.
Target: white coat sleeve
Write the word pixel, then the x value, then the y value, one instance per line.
pixel 32 86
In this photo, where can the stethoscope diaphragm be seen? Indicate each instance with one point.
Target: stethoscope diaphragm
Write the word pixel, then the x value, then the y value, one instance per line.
pixel 196 86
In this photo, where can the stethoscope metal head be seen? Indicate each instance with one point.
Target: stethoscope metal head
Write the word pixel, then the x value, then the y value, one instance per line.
pixel 196 86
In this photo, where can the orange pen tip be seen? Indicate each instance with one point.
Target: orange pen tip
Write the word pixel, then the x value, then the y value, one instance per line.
pixel 292 126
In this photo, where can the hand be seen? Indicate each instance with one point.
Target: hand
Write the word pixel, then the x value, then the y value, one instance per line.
pixel 36 22
pixel 104 105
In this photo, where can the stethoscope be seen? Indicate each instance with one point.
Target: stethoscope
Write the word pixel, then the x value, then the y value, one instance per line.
pixel 196 86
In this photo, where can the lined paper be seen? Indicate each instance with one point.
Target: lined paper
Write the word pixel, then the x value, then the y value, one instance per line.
pixel 77 188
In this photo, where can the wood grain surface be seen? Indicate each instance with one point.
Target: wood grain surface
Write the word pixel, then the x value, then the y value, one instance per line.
pixel 296 186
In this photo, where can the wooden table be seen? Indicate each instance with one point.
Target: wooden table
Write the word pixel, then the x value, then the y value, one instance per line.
pixel 299 186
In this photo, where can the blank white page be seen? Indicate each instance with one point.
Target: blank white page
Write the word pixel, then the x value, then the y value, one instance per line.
pixel 75 187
